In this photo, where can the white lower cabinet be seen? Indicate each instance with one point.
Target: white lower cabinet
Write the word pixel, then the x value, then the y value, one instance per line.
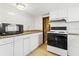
pixel 34 42
pixel 73 45
pixel 40 38
pixel 6 47
pixel 26 41
pixel 6 50
pixel 23 45
pixel 18 46
pixel 31 42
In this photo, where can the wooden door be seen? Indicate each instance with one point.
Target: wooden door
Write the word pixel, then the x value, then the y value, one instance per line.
pixel 46 28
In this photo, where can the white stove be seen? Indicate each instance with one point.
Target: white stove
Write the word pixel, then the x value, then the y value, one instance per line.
pixel 57 41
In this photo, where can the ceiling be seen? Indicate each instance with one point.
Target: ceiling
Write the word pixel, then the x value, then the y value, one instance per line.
pixel 42 8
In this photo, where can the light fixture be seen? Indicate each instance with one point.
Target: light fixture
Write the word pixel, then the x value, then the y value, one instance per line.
pixel 20 6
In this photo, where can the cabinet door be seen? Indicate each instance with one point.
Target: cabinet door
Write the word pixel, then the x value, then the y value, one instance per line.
pixel 34 41
pixel 18 46
pixel 6 47
pixel 62 13
pixel 53 15
pixel 40 38
pixel 6 50
pixel 73 14
pixel 73 45
pixel 73 27
pixel 26 40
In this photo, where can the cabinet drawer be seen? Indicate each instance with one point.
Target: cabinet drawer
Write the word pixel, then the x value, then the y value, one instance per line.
pixel 6 41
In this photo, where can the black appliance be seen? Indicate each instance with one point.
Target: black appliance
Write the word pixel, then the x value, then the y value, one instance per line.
pixel 57 40
pixel 10 29
pixel 57 37
pixel 20 28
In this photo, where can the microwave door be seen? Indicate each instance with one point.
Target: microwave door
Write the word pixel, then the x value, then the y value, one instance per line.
pixel 10 28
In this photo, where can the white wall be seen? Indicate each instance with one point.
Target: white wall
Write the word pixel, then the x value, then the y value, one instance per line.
pixel 38 23
pixel 56 24
pixel 9 14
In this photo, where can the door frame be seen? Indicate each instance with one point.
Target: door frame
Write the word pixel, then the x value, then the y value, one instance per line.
pixel 43 26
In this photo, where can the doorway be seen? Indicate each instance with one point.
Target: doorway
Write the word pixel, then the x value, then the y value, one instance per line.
pixel 46 28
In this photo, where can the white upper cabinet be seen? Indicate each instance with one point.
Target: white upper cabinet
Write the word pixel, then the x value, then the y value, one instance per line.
pixel 73 14
pixel 62 13
pixel 53 15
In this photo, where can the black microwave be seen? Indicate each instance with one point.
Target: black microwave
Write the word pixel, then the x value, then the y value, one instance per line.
pixel 10 29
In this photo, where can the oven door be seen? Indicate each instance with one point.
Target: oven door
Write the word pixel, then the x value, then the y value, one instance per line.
pixel 57 40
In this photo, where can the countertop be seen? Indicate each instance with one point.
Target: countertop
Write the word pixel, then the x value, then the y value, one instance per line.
pixel 24 33
pixel 73 33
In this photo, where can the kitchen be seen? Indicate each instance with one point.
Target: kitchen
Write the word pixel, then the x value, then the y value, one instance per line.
pixel 39 29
